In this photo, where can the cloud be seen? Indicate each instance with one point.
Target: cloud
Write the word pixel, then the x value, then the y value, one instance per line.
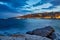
pixel 11 5
pixel 55 2
pixel 28 6
pixel 3 3
pixel 41 6
pixel 56 9
pixel 32 2
pixel 6 7
pixel 32 8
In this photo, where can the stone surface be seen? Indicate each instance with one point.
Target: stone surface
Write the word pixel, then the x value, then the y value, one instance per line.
pixel 52 36
pixel 34 37
pixel 23 37
pixel 44 32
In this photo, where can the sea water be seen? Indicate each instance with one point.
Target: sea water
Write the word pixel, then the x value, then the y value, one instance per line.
pixel 24 25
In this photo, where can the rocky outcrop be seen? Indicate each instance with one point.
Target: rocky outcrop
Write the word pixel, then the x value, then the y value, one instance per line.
pixel 44 32
pixel 23 37
pixel 34 37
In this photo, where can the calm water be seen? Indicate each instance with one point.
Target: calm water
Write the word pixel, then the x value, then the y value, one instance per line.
pixel 24 25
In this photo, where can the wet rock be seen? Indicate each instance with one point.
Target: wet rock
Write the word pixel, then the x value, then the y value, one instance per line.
pixel 52 36
pixel 23 37
pixel 44 32
pixel 34 37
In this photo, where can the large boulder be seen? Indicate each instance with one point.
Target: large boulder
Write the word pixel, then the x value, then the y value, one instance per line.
pixel 44 32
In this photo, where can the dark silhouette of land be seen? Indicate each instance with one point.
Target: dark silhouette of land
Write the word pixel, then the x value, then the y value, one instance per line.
pixel 50 15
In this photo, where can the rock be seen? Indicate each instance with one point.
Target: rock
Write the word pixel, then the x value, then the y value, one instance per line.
pixel 23 37
pixel 44 32
pixel 34 37
pixel 52 36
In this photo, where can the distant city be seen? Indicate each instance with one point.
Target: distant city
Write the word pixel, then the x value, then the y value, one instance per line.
pixel 46 15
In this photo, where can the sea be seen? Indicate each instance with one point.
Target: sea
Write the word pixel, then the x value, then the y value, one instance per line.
pixel 22 26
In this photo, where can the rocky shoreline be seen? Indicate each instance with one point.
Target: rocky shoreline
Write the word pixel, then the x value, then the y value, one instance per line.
pixel 23 37
pixel 44 32
pixel 47 33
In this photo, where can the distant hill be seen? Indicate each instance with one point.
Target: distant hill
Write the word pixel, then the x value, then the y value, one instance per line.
pixel 46 15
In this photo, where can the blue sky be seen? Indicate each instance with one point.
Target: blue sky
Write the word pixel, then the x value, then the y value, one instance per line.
pixel 9 8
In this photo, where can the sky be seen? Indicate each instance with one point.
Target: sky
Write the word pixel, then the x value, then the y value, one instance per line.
pixel 11 8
